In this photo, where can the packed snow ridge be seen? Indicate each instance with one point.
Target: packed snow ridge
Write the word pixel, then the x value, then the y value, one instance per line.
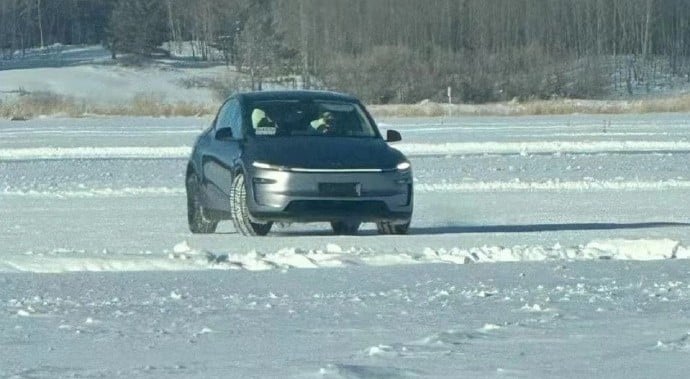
pixel 185 258
pixel 99 193
pixel 410 149
pixel 443 187
pixel 553 185
pixel 43 153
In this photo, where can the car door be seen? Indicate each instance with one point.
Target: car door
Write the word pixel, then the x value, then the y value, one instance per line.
pixel 222 154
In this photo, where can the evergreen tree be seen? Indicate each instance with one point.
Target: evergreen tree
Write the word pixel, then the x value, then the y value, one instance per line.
pixel 261 49
pixel 137 26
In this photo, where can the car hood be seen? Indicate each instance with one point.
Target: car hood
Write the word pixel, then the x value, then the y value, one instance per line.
pixel 323 152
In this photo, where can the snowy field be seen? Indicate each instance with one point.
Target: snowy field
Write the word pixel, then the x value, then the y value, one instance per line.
pixel 539 247
pixel 88 74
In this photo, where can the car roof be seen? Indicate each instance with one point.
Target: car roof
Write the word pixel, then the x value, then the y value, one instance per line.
pixel 296 95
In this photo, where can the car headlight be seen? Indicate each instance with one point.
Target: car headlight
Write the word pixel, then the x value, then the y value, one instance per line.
pixel 403 166
pixel 265 166
pixel 268 166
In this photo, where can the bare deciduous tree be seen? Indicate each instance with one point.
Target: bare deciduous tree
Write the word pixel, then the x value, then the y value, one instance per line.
pixel 488 50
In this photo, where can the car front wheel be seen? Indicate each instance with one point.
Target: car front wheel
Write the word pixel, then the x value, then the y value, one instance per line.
pixel 386 227
pixel 240 212
pixel 198 223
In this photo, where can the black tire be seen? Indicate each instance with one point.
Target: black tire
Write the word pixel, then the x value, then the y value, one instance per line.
pixel 345 227
pixel 385 227
pixel 198 222
pixel 240 213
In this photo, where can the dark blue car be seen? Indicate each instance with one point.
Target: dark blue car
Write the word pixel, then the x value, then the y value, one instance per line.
pixel 297 156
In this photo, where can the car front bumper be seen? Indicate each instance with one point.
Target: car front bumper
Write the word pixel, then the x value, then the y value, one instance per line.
pixel 369 196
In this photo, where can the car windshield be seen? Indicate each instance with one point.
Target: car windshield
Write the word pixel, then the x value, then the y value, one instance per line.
pixel 327 118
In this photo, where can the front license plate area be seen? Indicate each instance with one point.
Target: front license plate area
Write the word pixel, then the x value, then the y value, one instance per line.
pixel 340 189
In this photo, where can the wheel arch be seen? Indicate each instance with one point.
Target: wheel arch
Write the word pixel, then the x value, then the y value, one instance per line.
pixel 238 169
pixel 191 169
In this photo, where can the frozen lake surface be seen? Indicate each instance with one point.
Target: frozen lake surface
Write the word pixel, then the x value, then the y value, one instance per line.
pixel 539 247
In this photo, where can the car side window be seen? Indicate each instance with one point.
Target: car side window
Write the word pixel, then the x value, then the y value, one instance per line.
pixel 230 117
pixel 235 117
pixel 223 119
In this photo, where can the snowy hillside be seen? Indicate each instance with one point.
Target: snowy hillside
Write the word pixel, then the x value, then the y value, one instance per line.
pixel 540 247
pixel 89 74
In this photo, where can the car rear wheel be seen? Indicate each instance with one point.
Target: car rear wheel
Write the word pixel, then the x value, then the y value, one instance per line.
pixel 240 212
pixel 386 227
pixel 198 222
pixel 345 227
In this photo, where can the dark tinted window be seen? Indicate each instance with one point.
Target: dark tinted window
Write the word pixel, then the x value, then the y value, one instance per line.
pixel 314 117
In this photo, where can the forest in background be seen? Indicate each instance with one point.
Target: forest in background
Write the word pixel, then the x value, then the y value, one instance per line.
pixel 388 51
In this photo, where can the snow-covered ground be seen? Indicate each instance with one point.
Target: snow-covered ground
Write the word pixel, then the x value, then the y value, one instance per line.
pixel 540 247
pixel 88 74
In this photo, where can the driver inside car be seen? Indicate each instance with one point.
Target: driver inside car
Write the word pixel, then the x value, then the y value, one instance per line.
pixel 324 124
pixel 261 120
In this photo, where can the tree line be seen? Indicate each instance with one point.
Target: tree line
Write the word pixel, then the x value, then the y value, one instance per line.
pixel 386 50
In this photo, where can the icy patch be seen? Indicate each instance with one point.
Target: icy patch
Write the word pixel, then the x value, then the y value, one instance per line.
pixel 184 257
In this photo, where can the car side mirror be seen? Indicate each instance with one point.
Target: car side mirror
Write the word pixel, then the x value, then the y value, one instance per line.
pixel 393 136
pixel 224 134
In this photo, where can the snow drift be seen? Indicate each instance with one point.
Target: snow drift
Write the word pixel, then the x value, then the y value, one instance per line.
pixel 185 258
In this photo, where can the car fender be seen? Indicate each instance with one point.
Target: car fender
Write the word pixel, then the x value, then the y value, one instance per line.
pixel 192 163
pixel 190 170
